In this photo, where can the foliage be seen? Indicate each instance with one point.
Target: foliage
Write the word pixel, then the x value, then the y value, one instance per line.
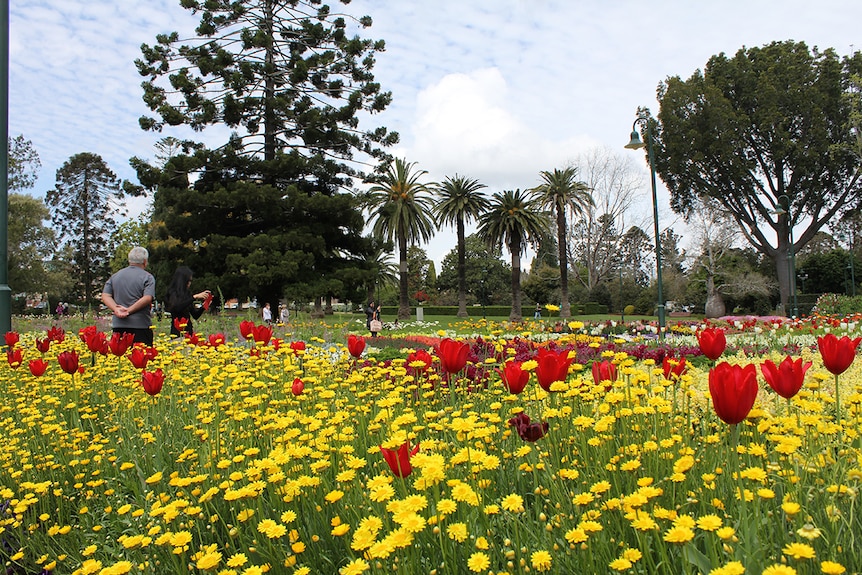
pixel 486 274
pixel 565 196
pixel 459 201
pixel 24 164
pixel 401 210
pixel 838 304
pixel 85 204
pixel 764 133
pixel 513 219
pixel 264 215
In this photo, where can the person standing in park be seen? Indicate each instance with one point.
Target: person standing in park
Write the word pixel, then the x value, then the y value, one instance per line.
pixel 181 302
pixel 267 314
pixel 129 295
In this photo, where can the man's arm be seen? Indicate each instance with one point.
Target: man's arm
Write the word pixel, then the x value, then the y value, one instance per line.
pixel 112 305
pixel 144 302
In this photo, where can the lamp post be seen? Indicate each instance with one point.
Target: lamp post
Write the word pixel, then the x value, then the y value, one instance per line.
pixel 852 276
pixel 5 290
pixel 622 306
pixel 791 254
pixel 636 144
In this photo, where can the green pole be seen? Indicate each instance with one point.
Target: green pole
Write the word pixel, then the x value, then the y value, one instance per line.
pixel 5 292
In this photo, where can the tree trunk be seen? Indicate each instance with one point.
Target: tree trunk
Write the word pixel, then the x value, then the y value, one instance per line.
pixel 714 302
pixel 462 270
pixel 403 298
pixel 317 312
pixel 565 308
pixel 327 310
pixel 515 248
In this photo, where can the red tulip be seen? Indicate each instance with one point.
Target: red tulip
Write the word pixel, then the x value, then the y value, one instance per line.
pixel 673 368
pixel 12 338
pixel 245 328
pixel 453 355
pixel 15 357
pixel 297 346
pixel 139 357
pixel 526 430
pixel 712 342
pixel 43 345
pixel 153 381
pixel 120 343
pixel 180 323
pixel 733 389
pixel 604 371
pixel 418 361
pixel 38 367
pixel 355 345
pixel 86 333
pixel 68 361
pixel 297 387
pixel 276 343
pixel 262 334
pixel 837 353
pixel 787 377
pixel 216 339
pixel 56 334
pixel 399 460
pixel 514 378
pixel 552 366
pixel 97 342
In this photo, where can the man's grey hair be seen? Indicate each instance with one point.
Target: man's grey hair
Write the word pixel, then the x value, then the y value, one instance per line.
pixel 138 255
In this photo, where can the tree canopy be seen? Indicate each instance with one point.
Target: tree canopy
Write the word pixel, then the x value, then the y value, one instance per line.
pixel 267 213
pixel 767 133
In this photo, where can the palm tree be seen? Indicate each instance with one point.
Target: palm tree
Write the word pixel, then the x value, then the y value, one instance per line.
pixel 460 201
pixel 560 191
pixel 514 219
pixel 401 212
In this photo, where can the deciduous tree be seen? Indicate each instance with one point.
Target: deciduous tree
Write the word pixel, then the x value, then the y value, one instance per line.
pixel 768 134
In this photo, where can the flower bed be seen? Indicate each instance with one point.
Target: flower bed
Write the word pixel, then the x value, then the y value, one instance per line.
pixel 589 454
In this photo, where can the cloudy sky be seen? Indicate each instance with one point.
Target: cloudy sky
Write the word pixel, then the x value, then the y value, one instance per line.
pixel 496 90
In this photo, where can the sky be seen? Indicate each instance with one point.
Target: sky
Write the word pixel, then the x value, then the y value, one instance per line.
pixel 496 90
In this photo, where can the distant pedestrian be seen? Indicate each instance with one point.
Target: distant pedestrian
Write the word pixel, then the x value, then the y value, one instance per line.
pixel 129 295
pixel 267 313
pixel 284 314
pixel 538 313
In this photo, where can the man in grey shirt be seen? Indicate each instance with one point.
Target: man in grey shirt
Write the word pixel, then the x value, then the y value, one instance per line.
pixel 129 294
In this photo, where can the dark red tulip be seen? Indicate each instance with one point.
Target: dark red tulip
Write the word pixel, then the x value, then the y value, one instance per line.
pixel 552 366
pixel 56 334
pixel 153 381
pixel 38 367
pixel 733 389
pixel 97 342
pixel 712 342
pixel 453 355
pixel 673 368
pixel 139 357
pixel 514 378
pixel 418 362
pixel 12 338
pixel 68 361
pixel 216 339
pixel 399 460
pixel 245 328
pixel 297 387
pixel 604 371
pixel 837 353
pixel 355 345
pixel 43 345
pixel 120 343
pixel 528 431
pixel 787 377
pixel 15 357
pixel 262 334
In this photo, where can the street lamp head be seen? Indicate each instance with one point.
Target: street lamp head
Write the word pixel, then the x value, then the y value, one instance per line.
pixel 635 143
